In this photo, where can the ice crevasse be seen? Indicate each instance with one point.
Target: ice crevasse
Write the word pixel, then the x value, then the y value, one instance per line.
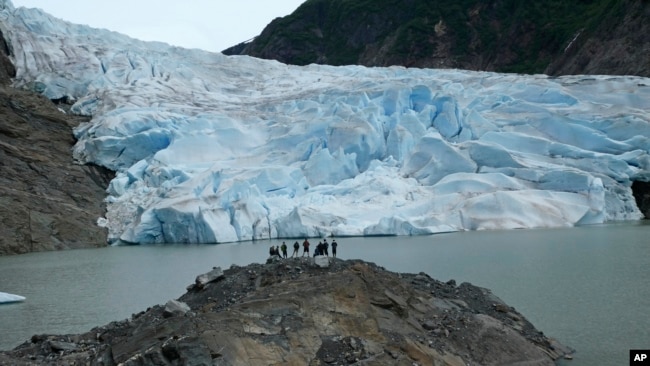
pixel 211 148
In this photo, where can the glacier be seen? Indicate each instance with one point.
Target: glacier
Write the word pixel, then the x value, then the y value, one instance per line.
pixel 209 148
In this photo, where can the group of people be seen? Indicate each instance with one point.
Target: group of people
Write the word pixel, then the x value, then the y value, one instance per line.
pixel 322 248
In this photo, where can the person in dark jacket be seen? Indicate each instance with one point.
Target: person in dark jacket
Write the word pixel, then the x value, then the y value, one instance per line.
pixel 284 250
pixel 326 246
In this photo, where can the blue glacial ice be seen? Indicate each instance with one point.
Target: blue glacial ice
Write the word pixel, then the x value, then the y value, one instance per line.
pixel 210 148
pixel 6 298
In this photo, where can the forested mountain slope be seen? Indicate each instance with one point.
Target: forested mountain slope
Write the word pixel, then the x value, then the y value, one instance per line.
pixel 547 36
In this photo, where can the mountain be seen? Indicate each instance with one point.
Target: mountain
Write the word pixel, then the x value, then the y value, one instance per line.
pixel 48 201
pixel 209 148
pixel 555 37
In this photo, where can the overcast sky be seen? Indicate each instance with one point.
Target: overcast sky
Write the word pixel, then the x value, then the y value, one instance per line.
pixel 212 25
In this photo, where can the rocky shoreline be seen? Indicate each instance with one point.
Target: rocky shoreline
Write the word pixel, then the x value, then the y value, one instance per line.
pixel 308 311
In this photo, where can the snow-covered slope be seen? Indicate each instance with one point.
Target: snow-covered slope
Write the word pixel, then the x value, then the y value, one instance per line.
pixel 211 148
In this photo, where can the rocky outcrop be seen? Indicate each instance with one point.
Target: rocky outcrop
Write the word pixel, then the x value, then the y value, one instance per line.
pixel 47 202
pixel 294 312
pixel 641 191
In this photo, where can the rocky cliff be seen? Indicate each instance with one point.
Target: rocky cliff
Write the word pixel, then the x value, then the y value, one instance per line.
pixel 46 201
pixel 548 36
pixel 308 311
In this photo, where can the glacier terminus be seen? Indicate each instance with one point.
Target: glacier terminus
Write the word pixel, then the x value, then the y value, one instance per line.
pixel 210 148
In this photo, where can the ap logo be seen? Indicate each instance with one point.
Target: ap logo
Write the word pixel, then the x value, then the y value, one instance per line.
pixel 639 357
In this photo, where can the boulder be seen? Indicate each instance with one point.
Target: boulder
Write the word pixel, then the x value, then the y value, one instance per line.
pixel 322 261
pixel 215 274
pixel 175 307
pixel 63 346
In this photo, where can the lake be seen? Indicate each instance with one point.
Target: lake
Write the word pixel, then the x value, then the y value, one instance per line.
pixel 586 286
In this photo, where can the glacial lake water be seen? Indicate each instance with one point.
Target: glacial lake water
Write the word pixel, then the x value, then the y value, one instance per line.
pixel 587 286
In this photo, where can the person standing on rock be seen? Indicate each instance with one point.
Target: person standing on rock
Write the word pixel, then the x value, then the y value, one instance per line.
pixel 318 250
pixel 326 247
pixel 284 250
pixel 334 245
pixel 305 248
pixel 296 246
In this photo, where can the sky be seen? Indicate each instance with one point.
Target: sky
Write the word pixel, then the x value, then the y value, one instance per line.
pixel 212 25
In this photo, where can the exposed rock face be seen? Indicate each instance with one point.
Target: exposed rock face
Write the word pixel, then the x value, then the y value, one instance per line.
pixel 609 37
pixel 620 45
pixel 641 192
pixel 46 201
pixel 294 312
